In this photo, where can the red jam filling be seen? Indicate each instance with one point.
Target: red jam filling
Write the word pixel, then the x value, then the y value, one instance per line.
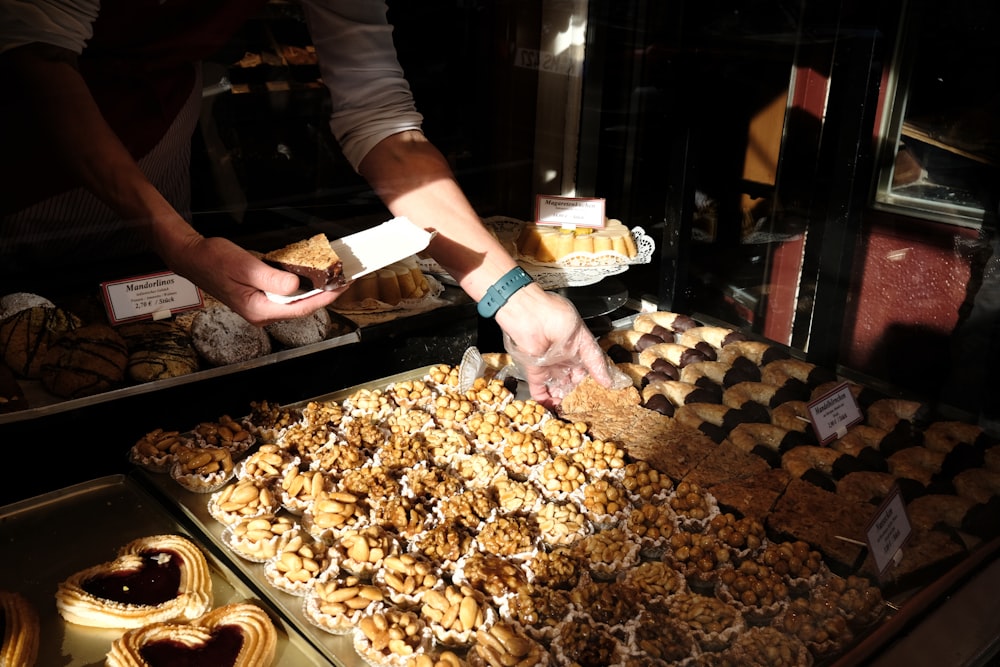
pixel 155 582
pixel 221 650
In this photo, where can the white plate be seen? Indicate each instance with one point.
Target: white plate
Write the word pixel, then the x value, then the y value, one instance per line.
pixel 370 250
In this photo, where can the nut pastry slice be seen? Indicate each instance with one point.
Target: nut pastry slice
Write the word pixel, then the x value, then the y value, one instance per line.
pixel 20 630
pixel 154 579
pixel 235 635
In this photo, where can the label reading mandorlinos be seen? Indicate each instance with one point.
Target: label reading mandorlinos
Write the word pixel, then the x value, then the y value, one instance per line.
pixel 153 296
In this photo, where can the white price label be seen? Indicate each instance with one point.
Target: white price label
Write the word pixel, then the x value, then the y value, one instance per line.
pixel 569 211
pixel 834 412
pixel 888 531
pixel 154 296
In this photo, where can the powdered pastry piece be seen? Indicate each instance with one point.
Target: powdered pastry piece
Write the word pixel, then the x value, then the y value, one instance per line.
pixel 19 640
pixel 84 362
pixel 154 579
pixel 221 336
pixel 313 259
pixel 12 304
pixel 26 336
pixel 237 634
pixel 158 349
pixel 300 331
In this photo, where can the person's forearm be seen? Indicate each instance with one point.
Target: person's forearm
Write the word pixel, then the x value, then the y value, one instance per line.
pixel 414 180
pixel 66 121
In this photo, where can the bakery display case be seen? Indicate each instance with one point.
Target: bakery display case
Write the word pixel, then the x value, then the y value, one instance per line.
pixel 763 153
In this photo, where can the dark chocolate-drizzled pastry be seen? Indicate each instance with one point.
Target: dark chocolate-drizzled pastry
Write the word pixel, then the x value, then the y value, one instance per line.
pixel 26 336
pixel 84 362
pixel 158 350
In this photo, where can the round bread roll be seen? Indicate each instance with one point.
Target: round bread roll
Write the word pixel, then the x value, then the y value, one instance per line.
pixel 157 350
pixel 13 304
pixel 221 336
pixel 300 331
pixel 26 336
pixel 85 361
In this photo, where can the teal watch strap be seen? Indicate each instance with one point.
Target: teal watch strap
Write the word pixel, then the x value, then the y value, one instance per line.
pixel 496 296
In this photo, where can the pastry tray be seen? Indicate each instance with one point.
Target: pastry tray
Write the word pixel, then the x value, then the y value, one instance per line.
pixel 338 649
pixel 48 538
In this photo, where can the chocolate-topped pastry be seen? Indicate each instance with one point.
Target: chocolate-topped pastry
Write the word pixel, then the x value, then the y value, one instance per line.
pixel 26 336
pixel 158 349
pixel 84 362
pixel 313 259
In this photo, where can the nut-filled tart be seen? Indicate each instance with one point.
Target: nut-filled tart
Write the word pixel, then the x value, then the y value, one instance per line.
pixel 235 635
pixel 154 579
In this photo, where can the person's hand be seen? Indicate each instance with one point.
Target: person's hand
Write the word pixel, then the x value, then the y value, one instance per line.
pixel 238 279
pixel 550 344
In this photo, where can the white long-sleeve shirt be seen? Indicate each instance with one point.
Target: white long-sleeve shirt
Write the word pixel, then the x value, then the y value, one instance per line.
pixel 370 96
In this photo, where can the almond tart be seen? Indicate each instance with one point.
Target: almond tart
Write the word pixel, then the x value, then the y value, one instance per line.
pixel 19 640
pixel 154 579
pixel 237 634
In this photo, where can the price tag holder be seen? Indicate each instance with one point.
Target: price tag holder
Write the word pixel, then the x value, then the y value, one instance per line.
pixel 834 412
pixel 888 531
pixel 569 211
pixel 155 296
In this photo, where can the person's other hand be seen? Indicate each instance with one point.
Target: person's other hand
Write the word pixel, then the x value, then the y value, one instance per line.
pixel 550 344
pixel 238 279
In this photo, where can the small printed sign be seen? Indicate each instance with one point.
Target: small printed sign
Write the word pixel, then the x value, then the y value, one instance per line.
pixel 834 412
pixel 888 531
pixel 155 296
pixel 569 211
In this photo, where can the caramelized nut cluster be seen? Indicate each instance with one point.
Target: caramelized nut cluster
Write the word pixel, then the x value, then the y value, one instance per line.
pixel 226 432
pixel 703 612
pixel 508 535
pixel 158 443
pixel 607 551
pixel 494 575
pixel 458 609
pixel 365 548
pixel 301 487
pixel 652 522
pixel 525 412
pixel 246 498
pixel 337 457
pixel 741 533
pixel 408 574
pixel 403 451
pixel 562 475
pixel 754 585
pixel 393 632
pixel 300 560
pixel 796 559
pixel 604 496
pixel 698 553
pixel 407 393
pixel 502 645
pixel 260 538
pixel 561 523
pixel 564 436
pixel 334 511
pixel 655 577
pixel 268 462
pixel 524 450
pixel 400 514
pixel 690 500
pixel 202 460
pixel 470 507
pixel 817 623
pixel 446 542
pixel 557 568
pixel 643 481
pixel 489 427
pixel 600 455
pixel 342 596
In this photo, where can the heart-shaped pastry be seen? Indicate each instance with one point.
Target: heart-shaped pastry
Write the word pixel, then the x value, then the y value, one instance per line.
pixel 19 630
pixel 235 635
pixel 154 579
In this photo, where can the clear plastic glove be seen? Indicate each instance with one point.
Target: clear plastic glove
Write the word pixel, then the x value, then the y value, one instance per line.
pixel 563 352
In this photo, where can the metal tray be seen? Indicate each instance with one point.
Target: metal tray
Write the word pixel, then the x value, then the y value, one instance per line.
pixel 44 403
pixel 338 649
pixel 48 538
